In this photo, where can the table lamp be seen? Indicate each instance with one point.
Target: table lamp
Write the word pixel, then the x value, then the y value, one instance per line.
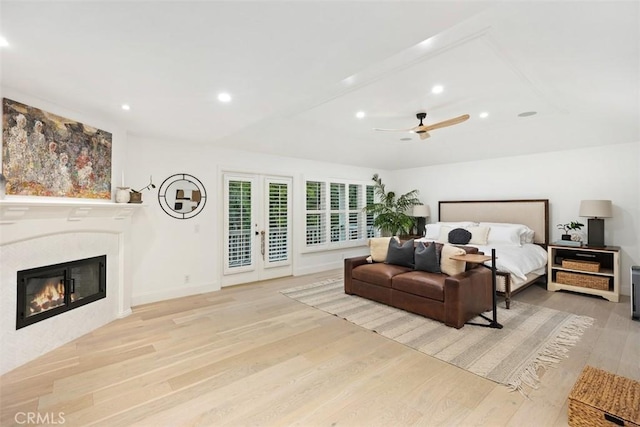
pixel 595 210
pixel 421 212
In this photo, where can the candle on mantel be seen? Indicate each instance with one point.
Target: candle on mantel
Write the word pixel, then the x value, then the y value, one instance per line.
pixel 123 178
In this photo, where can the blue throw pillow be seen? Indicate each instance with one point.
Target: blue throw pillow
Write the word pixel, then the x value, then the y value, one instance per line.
pixel 400 254
pixel 426 258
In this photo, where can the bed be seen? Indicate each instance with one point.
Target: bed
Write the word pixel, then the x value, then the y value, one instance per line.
pixel 519 265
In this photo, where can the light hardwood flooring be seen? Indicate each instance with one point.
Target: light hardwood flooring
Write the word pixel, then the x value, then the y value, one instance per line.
pixel 248 355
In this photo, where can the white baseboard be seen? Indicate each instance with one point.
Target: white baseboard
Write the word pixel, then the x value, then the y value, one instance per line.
pixel 165 294
pixel 318 268
pixel 123 314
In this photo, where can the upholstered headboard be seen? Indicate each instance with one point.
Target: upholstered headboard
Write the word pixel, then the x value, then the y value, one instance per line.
pixel 533 213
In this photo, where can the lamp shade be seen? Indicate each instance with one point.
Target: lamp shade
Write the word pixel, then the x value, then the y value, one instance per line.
pixel 596 208
pixel 421 211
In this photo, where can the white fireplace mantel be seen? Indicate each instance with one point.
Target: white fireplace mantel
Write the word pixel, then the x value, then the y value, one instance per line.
pixel 12 211
pixel 36 232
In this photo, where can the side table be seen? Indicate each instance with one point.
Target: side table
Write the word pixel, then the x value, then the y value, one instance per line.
pixel 481 259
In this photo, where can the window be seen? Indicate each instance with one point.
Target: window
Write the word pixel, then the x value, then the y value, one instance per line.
pixel 335 218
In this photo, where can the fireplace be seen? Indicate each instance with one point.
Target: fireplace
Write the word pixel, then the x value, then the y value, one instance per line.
pixel 47 291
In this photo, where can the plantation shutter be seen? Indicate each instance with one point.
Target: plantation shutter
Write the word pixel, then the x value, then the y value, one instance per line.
pixel 315 213
pixel 278 223
pixel 239 230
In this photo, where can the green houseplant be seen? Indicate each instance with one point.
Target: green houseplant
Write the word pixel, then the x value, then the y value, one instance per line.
pixel 391 213
pixel 568 228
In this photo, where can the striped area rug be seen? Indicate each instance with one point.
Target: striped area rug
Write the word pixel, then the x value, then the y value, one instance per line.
pixel 532 339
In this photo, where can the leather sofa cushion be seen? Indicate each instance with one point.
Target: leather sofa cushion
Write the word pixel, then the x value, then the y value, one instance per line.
pixel 378 273
pixel 428 285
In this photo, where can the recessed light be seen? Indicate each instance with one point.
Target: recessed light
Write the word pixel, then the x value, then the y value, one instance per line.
pixel 528 114
pixel 360 114
pixel 126 107
pixel 483 115
pixel 224 97
pixel 437 89
pixel 3 42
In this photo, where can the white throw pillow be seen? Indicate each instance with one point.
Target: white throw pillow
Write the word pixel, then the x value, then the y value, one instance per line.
pixel 432 231
pixel 378 247
pixel 443 237
pixel 448 265
pixel 504 236
pixel 479 235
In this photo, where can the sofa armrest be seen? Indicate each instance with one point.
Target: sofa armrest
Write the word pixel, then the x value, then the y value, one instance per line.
pixel 466 295
pixel 349 265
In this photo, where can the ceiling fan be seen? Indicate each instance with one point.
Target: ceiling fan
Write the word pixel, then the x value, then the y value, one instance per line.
pixel 423 130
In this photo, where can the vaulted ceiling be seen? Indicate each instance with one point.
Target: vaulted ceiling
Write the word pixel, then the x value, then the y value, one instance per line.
pixel 299 71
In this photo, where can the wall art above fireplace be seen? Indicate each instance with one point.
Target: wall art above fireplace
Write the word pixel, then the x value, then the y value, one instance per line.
pixel 51 290
pixel 47 155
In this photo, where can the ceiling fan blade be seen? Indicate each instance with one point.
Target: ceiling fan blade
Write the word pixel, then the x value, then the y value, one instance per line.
pixel 395 130
pixel 424 135
pixel 446 123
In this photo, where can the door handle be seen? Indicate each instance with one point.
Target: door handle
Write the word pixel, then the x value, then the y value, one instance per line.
pixel 262 238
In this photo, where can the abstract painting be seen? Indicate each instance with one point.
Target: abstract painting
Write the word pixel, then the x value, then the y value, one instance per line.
pixel 47 155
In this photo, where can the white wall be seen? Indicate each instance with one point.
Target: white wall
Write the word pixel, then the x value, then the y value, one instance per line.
pixel 564 177
pixel 167 249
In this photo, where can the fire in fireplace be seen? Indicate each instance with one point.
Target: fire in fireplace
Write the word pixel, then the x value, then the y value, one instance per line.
pixel 47 291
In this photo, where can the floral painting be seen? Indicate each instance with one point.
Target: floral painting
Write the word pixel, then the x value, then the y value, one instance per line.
pixel 47 155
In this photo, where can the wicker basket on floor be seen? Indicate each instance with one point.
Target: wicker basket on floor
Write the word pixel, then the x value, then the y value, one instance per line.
pixel 583 280
pixel 600 398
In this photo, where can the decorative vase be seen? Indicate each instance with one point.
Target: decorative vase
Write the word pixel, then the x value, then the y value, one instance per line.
pixel 135 197
pixel 123 195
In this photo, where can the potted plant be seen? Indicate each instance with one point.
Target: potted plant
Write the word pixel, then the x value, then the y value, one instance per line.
pixel 391 213
pixel 569 227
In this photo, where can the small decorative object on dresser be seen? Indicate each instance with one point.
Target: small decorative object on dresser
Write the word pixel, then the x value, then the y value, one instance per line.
pixel 568 228
pixel 123 195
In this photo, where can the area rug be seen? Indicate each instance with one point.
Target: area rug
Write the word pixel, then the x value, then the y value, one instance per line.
pixel 532 339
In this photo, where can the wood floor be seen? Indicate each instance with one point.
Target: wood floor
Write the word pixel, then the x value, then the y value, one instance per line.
pixel 248 355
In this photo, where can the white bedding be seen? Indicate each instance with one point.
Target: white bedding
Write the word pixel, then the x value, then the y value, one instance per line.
pixel 517 260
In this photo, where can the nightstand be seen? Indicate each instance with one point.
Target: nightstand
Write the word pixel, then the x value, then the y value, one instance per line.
pixel 588 270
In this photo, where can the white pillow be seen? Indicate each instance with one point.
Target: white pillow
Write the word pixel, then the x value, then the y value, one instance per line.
pixel 504 236
pixel 448 265
pixel 479 235
pixel 527 237
pixel 432 231
pixel 443 237
pixel 458 224
pixel 378 247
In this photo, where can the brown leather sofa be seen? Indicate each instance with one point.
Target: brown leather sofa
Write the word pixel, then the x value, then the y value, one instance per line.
pixel 453 300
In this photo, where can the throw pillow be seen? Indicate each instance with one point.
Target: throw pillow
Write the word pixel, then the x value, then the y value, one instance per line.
pixel 459 236
pixel 400 253
pixel 444 234
pixel 378 247
pixel 479 235
pixel 426 258
pixel 448 265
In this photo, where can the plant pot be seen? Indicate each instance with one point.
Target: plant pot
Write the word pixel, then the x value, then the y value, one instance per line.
pixel 566 237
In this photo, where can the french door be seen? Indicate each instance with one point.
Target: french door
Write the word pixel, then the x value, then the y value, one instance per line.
pixel 257 228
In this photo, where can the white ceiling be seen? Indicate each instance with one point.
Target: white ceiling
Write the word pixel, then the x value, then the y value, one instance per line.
pixel 299 71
